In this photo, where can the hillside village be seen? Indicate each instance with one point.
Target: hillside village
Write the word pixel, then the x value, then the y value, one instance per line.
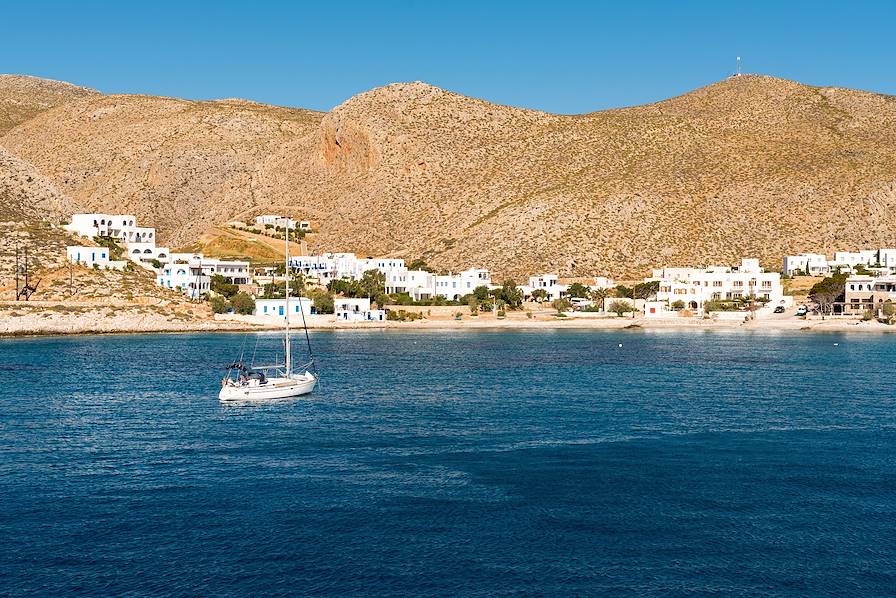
pixel 346 288
pixel 428 204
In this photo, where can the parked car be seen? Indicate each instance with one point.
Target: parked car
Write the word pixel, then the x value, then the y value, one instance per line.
pixel 801 310
pixel 779 309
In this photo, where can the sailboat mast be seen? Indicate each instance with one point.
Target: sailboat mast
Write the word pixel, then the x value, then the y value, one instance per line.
pixel 288 351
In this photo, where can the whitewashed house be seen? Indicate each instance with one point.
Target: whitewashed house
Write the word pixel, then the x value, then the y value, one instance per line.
pixel 276 308
pixel 455 286
pixel 886 257
pixel 848 260
pixel 92 256
pixel 184 276
pixel 813 264
pixel 357 310
pixel 276 221
pixel 697 286
pixel 145 253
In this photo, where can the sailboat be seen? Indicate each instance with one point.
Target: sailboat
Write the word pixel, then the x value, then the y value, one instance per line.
pixel 271 382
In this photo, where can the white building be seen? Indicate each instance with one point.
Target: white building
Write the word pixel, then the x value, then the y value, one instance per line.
pixel 455 286
pixel 886 257
pixel 549 283
pixel 236 272
pixel 92 256
pixel 851 259
pixel 192 273
pixel 357 310
pixel 276 221
pixel 697 286
pixel 276 308
pixel 814 264
pixel 147 252
pixel 184 276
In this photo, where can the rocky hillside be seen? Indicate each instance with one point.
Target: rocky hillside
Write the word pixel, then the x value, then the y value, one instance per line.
pixel 747 166
pixel 22 98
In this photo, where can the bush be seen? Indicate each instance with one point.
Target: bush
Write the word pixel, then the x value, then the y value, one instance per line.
pixel 678 305
pixel 155 263
pixel 219 304
pixel 620 307
pixel 323 301
pixel 403 316
pixel 220 285
pixel 561 305
pixel 242 303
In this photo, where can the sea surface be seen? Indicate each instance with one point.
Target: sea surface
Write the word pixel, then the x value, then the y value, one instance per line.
pixel 630 463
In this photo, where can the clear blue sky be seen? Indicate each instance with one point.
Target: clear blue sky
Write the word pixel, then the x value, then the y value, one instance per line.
pixel 566 57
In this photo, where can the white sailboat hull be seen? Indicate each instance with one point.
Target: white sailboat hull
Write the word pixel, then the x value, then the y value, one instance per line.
pixel 273 389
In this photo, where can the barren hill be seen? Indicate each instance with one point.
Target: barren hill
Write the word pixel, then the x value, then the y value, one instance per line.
pixel 24 97
pixel 747 166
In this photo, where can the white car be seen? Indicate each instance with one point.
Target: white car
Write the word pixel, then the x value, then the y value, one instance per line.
pixel 801 310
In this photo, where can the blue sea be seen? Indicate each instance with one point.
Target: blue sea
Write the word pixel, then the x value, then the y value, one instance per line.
pixel 560 463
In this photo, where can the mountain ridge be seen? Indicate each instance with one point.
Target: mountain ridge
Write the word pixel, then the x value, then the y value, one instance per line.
pixel 749 165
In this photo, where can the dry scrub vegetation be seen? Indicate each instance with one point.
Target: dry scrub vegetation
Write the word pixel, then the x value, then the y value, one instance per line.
pixel 747 166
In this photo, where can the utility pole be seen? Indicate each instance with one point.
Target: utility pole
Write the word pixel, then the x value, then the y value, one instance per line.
pixel 17 270
pixel 27 290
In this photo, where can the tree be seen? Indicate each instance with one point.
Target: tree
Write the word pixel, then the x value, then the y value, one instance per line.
pixel 647 290
pixel 219 304
pixel 509 294
pixel 578 291
pixel 155 263
pixel 373 282
pixel 420 264
pixel 242 303
pixel 539 295
pixel 622 291
pixel 827 291
pixel 888 310
pixel 598 296
pixel 481 293
pixel 620 307
pixel 474 305
pixel 678 305
pixel 220 285
pixel 323 301
pixel 561 305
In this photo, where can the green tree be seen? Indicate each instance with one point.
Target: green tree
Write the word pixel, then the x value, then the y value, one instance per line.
pixel 827 291
pixel 323 301
pixel 888 310
pixel 242 303
pixel 646 290
pixel 678 305
pixel 620 307
pixel 622 291
pixel 220 285
pixel 578 291
pixel 481 293
pixel 509 294
pixel 373 282
pixel 419 264
pixel 539 295
pixel 561 305
pixel 219 304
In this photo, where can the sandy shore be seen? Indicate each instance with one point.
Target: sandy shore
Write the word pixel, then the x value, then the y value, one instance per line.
pixel 66 320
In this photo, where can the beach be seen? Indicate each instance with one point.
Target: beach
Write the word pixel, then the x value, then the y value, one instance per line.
pixel 34 319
